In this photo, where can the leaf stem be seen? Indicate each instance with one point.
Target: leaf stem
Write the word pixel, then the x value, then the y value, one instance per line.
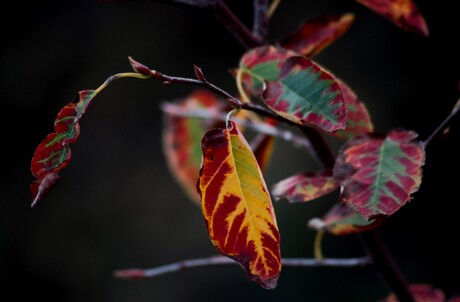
pixel 223 260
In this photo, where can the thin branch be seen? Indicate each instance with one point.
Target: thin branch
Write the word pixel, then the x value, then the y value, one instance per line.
pixel 223 260
pixel 321 151
pixel 445 123
pixel 260 25
pixel 235 26
pixel 258 127
pixel 384 262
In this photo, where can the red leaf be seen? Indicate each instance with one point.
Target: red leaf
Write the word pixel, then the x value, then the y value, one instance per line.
pixel 316 34
pixel 421 293
pixel 343 220
pixel 53 153
pixel 403 13
pixel 379 173
pixel 305 186
pixel 182 139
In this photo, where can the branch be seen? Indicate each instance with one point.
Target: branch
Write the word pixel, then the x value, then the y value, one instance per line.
pixel 234 25
pixel 260 26
pixel 386 265
pixel 259 127
pixel 223 260
pixel 443 125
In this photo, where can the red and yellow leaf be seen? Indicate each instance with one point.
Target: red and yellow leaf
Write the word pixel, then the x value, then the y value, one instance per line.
pixel 306 94
pixel 53 153
pixel 343 220
pixel 258 65
pixel 182 138
pixel 421 293
pixel 379 173
pixel 403 13
pixel 358 118
pixel 305 186
pixel 316 34
pixel 236 205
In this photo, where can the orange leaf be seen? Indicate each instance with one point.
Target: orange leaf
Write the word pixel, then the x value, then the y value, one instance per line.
pixel 403 13
pixel 237 207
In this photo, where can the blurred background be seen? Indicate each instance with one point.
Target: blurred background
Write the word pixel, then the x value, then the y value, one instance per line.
pixel 118 206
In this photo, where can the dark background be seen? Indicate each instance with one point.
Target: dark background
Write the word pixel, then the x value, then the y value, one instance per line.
pixel 118 205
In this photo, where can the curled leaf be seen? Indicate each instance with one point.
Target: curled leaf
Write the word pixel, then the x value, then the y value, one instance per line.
pixel 308 95
pixel 305 186
pixel 379 173
pixel 316 34
pixel 343 220
pixel 403 13
pixel 53 153
pixel 236 206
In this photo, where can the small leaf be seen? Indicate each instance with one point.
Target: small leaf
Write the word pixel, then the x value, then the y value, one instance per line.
pixel 421 293
pixel 236 206
pixel 260 64
pixel 182 139
pixel 379 173
pixel 305 186
pixel 53 153
pixel 358 118
pixel 307 95
pixel 403 13
pixel 343 220
pixel 316 34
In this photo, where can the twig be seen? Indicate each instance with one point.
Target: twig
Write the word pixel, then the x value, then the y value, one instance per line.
pixel 264 128
pixel 273 7
pixel 234 25
pixel 260 25
pixel 443 125
pixel 223 260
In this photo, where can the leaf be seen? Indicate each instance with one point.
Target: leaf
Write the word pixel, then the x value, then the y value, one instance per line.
pixel 307 95
pixel 316 34
pixel 305 186
pixel 236 206
pixel 421 293
pixel 256 66
pixel 358 118
pixel 379 173
pixel 403 13
pixel 342 220
pixel 53 153
pixel 182 139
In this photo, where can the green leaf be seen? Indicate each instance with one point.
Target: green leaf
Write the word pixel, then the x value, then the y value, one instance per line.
pixel 379 173
pixel 306 94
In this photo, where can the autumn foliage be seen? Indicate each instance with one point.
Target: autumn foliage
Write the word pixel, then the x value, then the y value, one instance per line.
pixel 277 83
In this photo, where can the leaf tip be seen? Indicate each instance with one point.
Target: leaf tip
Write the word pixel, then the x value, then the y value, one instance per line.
pixel 40 188
pixel 139 68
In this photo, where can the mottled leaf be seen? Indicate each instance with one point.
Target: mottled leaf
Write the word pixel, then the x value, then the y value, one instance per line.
pixel 403 13
pixel 379 173
pixel 257 65
pixel 343 220
pixel 237 208
pixel 53 153
pixel 421 293
pixel 305 186
pixel 316 34
pixel 306 94
pixel 358 118
pixel 182 138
